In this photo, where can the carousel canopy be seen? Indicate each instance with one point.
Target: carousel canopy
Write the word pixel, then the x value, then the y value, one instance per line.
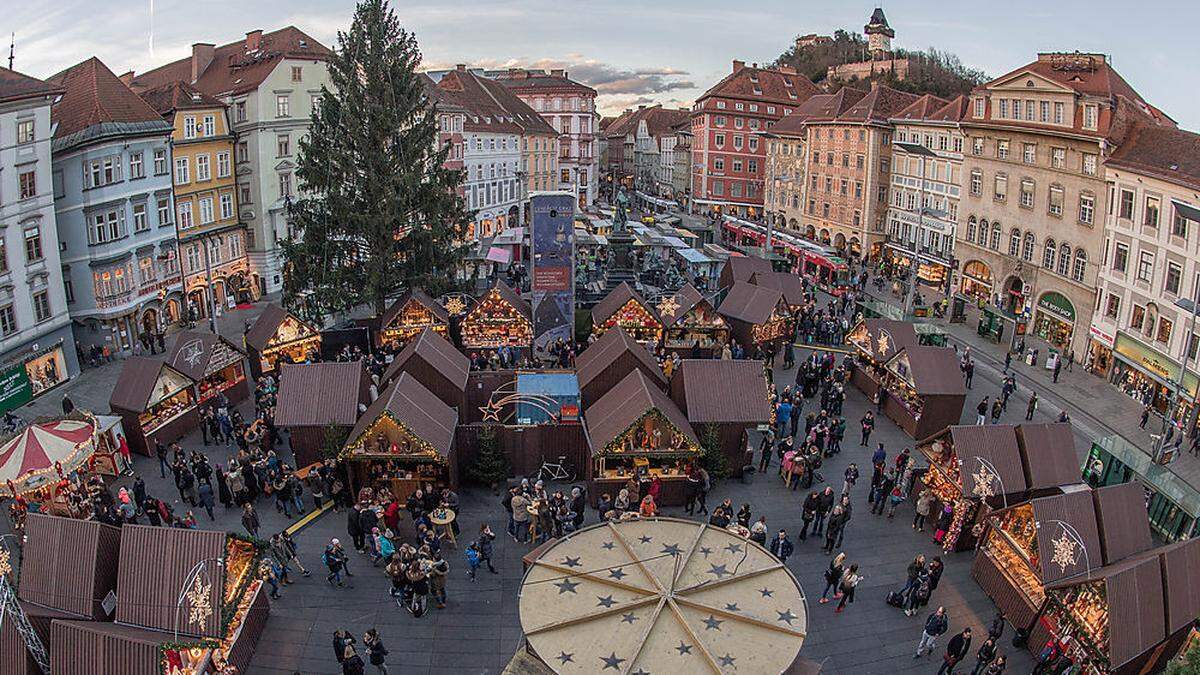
pixel 749 303
pixel 196 353
pixel 618 298
pixel 28 460
pixel 661 595
pixel 625 404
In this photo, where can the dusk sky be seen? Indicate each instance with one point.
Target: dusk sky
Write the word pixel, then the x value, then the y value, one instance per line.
pixel 666 51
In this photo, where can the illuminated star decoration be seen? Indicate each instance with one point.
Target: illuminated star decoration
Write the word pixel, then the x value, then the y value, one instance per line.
pixel 1065 554
pixel 200 603
pixel 455 306
pixel 491 412
pixel 5 564
pixel 668 306
pixel 885 342
pixel 983 482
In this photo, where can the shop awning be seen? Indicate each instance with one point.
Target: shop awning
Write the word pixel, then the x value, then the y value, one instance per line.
pixel 499 255
pixel 692 256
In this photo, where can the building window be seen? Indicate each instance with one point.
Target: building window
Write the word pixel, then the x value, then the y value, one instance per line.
pixel 137 168
pixel 1048 254
pixel 203 169
pixel 1058 158
pixel 1137 318
pixel 1089 116
pixel 25 132
pixel 283 147
pixel 1089 164
pixel 206 210
pixel 223 165
pixel 977 146
pixel 285 184
pixel 1064 260
pixel 27 185
pixel 33 244
pixel 1027 193
pixel 1014 243
pixel 1179 225
pixel 1120 257
pixel 283 106
pixel 297 73
pixel 140 222
pixel 1001 188
pixel 1087 209
pixel 719 140
pixel 1027 247
pixel 1002 149
pixel 1112 310
pixel 210 125
pixel 226 206
pixel 737 166
pixel 1151 213
pixel 995 236
pixel 1030 154
pixel 8 320
pixel 164 212
pixel 1145 268
pixel 1174 278
pixel 1079 266
pixel 185 215
pixel 1164 330
pixel 1125 210
pixel 971 229
pixel 737 142
pixel 718 164
pixel 979 107
pixel 189 127
pixel 41 306
pixel 160 162
pixel 1058 113
pixel 977 182
pixel 1056 200
pixel 182 171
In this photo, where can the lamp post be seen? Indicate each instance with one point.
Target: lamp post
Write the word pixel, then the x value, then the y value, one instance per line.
pixel 1192 307
pixel 197 569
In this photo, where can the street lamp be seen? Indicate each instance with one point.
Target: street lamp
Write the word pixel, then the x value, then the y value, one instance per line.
pixel 1191 307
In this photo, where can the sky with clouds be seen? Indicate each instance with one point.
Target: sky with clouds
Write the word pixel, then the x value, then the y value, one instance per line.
pixel 633 51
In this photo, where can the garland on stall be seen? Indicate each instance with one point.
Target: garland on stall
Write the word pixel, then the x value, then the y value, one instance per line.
pixel 170 662
pixel 230 601
pixel 961 508
pixel 617 446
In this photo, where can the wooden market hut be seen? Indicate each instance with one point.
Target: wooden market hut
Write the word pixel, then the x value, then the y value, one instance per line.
pixel 500 318
pixel 730 397
pixel 1048 454
pixel 435 363
pixel 757 315
pixel 410 315
pixel 69 565
pixel 1181 588
pixel 626 309
pixel 14 652
pixel 924 388
pixel 279 336
pixel 609 360
pixel 213 362
pixel 636 431
pixel 404 440
pixel 315 399
pixel 155 402
pixel 691 323
pixel 874 341
pixel 791 285
pixel 1121 517
pixel 739 269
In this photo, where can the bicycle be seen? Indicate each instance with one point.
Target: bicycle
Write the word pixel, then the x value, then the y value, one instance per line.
pixel 556 470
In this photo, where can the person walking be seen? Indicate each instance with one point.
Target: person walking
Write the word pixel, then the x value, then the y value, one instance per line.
pixel 824 505
pixel 341 640
pixel 520 515
pixel 923 506
pixel 997 410
pixel 1007 361
pixel 833 578
pixel 376 651
pixel 808 511
pixel 352 663
pixel 334 558
pixel 969 371
pixel 781 546
pixel 851 477
pixel 1145 417
pixel 868 425
pixel 833 530
pixel 985 655
pixel 205 494
pixel 1057 369
pixel 935 625
pixel 981 412
pixel 1032 407
pixel 439 570
pixel 956 650
pixel 487 547
pixel 249 519
pixel 849 582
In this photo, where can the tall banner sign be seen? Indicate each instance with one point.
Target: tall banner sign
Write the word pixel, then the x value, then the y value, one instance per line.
pixel 552 237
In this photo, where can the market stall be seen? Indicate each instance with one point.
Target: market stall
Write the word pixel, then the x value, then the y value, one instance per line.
pixel 692 325
pixel 874 341
pixel 626 309
pixel 435 363
pixel 637 433
pixel 279 337
pixel 924 389
pixel 155 402
pixel 501 318
pixel 609 360
pixel 403 442
pixel 69 565
pixel 972 469
pixel 757 316
pixel 1181 586
pixel 408 316
pixel 216 365
pixel 739 268
pixel 1031 545
pixel 317 403
pixel 725 398
pixel 791 285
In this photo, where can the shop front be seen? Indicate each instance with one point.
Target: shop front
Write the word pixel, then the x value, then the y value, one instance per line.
pixel 626 309
pixel 977 281
pixel 155 401
pixel 32 374
pixel 1100 351
pixel 501 318
pixel 1054 320
pixel 693 325
pixel 412 313
pixel 1174 503
pixel 1150 377
pixel 758 316
pixel 924 390
pixel 216 365
pixel 279 337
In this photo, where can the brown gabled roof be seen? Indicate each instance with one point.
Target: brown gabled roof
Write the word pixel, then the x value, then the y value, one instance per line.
pixel 742 268
pixel 136 383
pixel 608 348
pixel 750 303
pixel 954 111
pixel 178 95
pixel 659 121
pixel 1100 80
pixel 878 106
pixel 507 294
pixel 624 404
pixel 1161 152
pixel 438 353
pixel 1077 511
pixel 149 591
pixel 536 81
pixel 1121 515
pixel 996 446
pixel 1049 452
pixel 192 350
pixel 606 122
pixel 419 296
pixel 791 285
pixel 412 405
pixel 318 394
pixel 617 299
pixel 921 108
pixel 260 334
pixel 234 69
pixel 934 370
pixel 895 335
pixel 93 95
pixel 723 390
pixel 68 564
pixel 829 107
pixel 490 105
pixel 15 86
pixel 686 298
pixel 772 85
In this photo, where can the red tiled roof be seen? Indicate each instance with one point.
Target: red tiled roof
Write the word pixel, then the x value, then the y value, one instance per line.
pixel 820 108
pixel 954 111
pixel 93 95
pixel 1100 80
pixel 659 121
pixel 921 108
pixel 1165 153
pixel 534 81
pixel 879 105
pixel 178 96
pixel 236 70
pixel 14 86
pixel 491 105
pixel 772 85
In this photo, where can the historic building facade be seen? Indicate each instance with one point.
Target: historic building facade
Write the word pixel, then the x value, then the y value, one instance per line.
pixel 37 344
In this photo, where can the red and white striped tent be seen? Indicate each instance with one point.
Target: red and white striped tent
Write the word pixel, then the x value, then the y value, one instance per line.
pixel 38 454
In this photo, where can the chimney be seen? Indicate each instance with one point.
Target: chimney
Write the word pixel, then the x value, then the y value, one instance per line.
pixel 754 65
pixel 202 55
pixel 127 78
pixel 253 40
pixel 738 65
pixel 461 67
pixel 557 72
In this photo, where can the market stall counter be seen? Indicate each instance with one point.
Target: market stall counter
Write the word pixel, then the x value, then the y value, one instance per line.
pixel 693 327
pixel 637 433
pixel 214 363
pixel 156 402
pixel 874 341
pixel 403 442
pixel 625 308
pixel 501 318
pixel 757 316
pixel 279 337
pixel 725 398
pixel 408 316
pixel 924 390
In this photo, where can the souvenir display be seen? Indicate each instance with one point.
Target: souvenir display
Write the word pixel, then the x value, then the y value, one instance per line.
pixel 701 326
pixel 412 318
pixel 293 342
pixel 776 326
pixel 636 320
pixel 494 322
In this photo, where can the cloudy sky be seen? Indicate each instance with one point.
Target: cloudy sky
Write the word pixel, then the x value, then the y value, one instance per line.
pixel 634 51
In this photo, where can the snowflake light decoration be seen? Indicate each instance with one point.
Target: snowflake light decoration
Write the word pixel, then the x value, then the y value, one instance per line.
pixel 200 602
pixel 192 351
pixel 5 563
pixel 1065 554
pixel 983 478
pixel 668 306
pixel 885 342
pixel 455 306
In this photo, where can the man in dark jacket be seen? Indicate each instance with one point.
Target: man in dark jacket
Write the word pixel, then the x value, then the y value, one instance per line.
pixel 956 650
pixel 781 546
pixel 354 528
pixel 935 625
pixel 824 504
pixel 807 512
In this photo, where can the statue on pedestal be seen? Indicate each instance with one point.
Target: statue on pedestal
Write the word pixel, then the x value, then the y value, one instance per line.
pixel 621 212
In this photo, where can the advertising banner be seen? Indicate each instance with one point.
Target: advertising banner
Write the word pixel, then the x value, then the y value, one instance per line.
pixel 15 388
pixel 552 256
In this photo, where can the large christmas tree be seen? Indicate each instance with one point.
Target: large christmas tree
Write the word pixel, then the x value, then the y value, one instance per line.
pixel 378 211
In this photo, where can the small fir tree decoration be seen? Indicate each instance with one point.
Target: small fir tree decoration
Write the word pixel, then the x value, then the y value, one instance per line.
pixel 491 465
pixel 713 459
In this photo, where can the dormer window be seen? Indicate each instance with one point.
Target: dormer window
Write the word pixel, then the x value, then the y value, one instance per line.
pixel 1089 116
pixel 757 91
pixel 754 77
pixel 979 108
pixel 787 83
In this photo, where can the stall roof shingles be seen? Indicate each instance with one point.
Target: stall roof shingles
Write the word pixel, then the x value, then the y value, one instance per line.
pixel 720 390
pixel 414 406
pixel 791 285
pixel 1049 451
pixel 622 405
pixel 1124 526
pixel 421 297
pixel 438 353
pixel 750 303
pixel 741 268
pixel 617 299
pixel 935 371
pixel 1075 509
pixel 69 564
pixel 135 383
pixel 178 358
pixel 995 444
pixel 1180 562
pixel 317 394
pixel 155 562
pixel 606 350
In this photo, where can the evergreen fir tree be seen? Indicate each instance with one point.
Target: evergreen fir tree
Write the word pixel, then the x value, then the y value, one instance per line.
pixel 491 464
pixel 378 211
pixel 713 460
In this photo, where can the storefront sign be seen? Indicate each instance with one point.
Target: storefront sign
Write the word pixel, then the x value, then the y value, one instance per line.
pixel 1152 361
pixel 1058 305
pixel 1101 337
pixel 15 388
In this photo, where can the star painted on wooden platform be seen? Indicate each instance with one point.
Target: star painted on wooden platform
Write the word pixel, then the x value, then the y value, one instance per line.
pixel 606 601
pixel 607 546
pixel 612 661
pixel 639 671
pixel 712 623
pixel 786 616
pixel 727 660
pixel 731 607
pixel 734 548
pixel 645 540
pixel 617 574
pixel 567 586
pixel 683 648
pixel 673 549
pixel 766 592
pixel 705 551
pixel 629 618
pixel 571 562
pixel 564 657
pixel 719 570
